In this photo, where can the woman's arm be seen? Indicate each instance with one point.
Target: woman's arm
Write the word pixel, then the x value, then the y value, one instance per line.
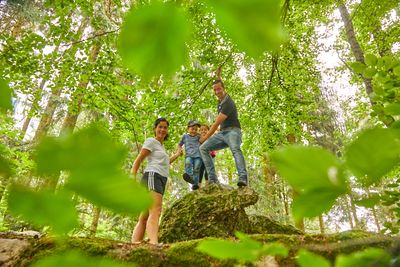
pixel 142 155
pixel 178 153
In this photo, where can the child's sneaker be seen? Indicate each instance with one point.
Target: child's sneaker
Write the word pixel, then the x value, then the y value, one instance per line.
pixel 187 178
pixel 195 187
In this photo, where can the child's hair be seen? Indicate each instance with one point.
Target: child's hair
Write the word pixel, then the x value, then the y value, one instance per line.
pixel 205 125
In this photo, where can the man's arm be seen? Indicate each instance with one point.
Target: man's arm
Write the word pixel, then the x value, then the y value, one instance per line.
pixel 220 118
pixel 218 72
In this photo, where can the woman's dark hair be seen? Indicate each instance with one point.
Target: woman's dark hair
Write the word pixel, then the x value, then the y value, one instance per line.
pixel 158 122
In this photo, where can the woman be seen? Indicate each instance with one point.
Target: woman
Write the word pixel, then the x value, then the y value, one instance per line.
pixel 155 178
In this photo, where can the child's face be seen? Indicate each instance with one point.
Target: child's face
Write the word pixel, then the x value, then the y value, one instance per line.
pixel 192 130
pixel 203 130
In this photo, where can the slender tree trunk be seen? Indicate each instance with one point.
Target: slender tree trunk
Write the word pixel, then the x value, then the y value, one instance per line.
pixel 374 213
pixel 354 212
pixel 34 104
pixel 95 221
pixel 47 117
pixel 321 224
pixel 347 210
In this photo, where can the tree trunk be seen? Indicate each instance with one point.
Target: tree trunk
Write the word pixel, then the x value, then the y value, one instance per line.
pixel 95 221
pixel 355 46
pixel 321 224
pixel 354 212
pixel 32 110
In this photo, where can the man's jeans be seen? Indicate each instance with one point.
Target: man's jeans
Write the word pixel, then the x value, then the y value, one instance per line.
pixel 231 138
pixel 192 167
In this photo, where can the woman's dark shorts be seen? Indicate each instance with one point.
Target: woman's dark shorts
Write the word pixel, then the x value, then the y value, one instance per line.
pixel 154 182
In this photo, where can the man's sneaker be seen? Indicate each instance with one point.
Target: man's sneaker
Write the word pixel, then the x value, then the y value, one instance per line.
pixel 241 184
pixel 187 178
pixel 195 187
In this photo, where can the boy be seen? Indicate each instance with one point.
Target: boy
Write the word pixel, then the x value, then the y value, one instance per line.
pixel 192 154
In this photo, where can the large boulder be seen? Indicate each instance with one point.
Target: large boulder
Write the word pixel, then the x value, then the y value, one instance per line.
pixel 215 211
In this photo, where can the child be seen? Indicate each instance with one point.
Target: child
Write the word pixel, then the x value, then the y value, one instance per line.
pixel 192 154
pixel 203 131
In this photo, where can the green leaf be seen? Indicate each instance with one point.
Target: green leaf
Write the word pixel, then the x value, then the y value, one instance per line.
pixel 358 67
pixel 373 154
pixel 44 208
pixel 90 150
pixel 94 162
pixel 254 25
pixel 309 259
pixel 275 249
pixel 368 257
pixel 368 202
pixel 118 192
pixel 393 109
pixel 304 204
pixel 153 39
pixel 74 258
pixel 5 96
pixel 5 169
pixel 371 59
pixel 225 249
pixel 308 167
pixel 369 72
pixel 396 71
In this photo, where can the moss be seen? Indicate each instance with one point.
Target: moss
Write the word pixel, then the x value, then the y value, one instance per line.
pixel 146 257
pixel 186 254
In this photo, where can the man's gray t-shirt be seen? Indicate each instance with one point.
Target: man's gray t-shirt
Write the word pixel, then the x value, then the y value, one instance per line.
pixel 192 145
pixel 228 107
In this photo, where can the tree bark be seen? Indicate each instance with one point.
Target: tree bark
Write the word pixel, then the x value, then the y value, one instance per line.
pixel 355 46
pixel 95 221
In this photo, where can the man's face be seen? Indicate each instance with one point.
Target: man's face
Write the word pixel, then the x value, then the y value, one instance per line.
pixel 219 91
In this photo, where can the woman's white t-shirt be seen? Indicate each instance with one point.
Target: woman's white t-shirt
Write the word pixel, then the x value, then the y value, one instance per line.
pixel 158 160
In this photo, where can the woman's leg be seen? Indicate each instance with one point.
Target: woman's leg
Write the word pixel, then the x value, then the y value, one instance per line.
pixel 138 231
pixel 154 218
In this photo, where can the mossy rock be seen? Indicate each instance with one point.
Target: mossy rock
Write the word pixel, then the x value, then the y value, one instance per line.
pixel 216 211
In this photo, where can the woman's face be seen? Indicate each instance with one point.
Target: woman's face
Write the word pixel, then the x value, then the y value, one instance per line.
pixel 161 130
pixel 203 130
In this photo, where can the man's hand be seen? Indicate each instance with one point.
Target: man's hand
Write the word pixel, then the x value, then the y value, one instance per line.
pixel 202 139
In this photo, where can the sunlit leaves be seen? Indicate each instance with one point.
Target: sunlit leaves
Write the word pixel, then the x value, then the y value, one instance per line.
pixel 369 202
pixel 44 208
pixel 153 39
pixel 5 164
pixel 371 59
pixel 373 154
pixel 368 257
pixel 309 259
pixel 94 162
pixel 74 258
pixel 315 174
pixel 253 25
pixel 358 67
pixel 5 96
pixel 246 249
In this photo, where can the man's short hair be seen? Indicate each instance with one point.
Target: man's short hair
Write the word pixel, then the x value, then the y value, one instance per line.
pixel 219 81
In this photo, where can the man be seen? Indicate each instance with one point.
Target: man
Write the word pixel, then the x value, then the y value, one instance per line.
pixel 230 135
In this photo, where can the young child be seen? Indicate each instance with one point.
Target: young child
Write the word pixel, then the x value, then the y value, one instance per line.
pixel 203 131
pixel 192 154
